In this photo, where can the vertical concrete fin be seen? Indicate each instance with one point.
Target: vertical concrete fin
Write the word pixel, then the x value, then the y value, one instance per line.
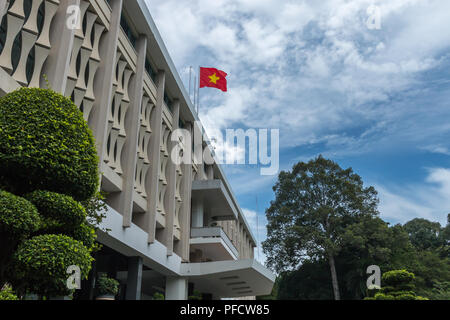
pixel 132 122
pixel 103 80
pixel 155 140
pixel 170 196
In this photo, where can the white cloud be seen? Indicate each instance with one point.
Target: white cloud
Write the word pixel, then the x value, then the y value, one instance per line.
pixel 310 68
pixel 430 200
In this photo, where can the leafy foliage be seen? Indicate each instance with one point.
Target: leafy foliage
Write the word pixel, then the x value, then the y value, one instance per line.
pixel 40 264
pixel 420 246
pixel 397 285
pixel 196 295
pixel 60 212
pixel 314 205
pixel 107 286
pixel 7 293
pixel 45 144
pixel 18 219
pixel 158 296
pixel 424 234
pixel 47 156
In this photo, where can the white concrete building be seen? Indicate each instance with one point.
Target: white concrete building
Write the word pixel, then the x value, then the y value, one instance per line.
pixel 174 228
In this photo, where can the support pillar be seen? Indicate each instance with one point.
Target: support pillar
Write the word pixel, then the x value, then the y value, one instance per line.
pixel 3 8
pixel 56 66
pixel 134 279
pixel 176 288
pixel 197 213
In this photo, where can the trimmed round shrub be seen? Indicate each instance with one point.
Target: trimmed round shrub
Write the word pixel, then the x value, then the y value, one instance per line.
pixel 397 278
pixel 18 217
pixel 59 212
pixel 45 144
pixel 40 264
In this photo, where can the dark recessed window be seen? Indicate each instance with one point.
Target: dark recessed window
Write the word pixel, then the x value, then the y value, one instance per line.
pixel 168 101
pixel 151 72
pixel 127 29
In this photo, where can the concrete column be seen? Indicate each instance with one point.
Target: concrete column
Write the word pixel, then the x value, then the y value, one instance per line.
pixel 57 63
pixel 185 210
pixel 210 172
pixel 197 213
pixel 134 279
pixel 176 288
pixel 103 80
pixel 153 176
pixel 123 201
pixel 3 8
pixel 172 175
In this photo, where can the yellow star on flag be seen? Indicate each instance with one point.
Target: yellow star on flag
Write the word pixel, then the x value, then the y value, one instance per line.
pixel 214 78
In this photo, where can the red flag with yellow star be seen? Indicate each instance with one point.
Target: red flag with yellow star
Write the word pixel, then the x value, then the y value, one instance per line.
pixel 213 78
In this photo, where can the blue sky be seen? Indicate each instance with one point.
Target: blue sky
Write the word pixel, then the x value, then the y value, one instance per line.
pixel 376 100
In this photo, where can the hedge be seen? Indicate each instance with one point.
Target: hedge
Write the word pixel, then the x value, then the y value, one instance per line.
pixel 40 264
pixel 45 144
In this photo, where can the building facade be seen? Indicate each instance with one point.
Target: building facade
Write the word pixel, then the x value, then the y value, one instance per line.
pixel 174 228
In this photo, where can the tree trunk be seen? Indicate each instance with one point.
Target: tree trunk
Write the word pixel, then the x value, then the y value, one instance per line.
pixel 334 279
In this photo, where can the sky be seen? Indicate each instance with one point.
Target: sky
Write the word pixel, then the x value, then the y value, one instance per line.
pixel 364 83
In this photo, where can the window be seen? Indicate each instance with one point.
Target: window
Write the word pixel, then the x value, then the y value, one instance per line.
pixel 151 72
pixel 168 102
pixel 127 29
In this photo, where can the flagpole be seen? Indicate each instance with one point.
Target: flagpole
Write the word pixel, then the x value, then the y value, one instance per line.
pixel 190 76
pixel 257 229
pixel 195 90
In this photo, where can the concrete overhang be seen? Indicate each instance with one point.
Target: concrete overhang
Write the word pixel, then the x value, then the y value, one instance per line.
pixel 132 242
pixel 214 244
pixel 216 199
pixel 230 279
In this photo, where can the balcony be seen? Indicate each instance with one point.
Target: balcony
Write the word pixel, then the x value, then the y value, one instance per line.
pixel 213 244
pixel 216 199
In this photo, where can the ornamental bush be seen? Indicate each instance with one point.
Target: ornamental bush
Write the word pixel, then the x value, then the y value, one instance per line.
pixel 45 144
pixel 107 286
pixel 397 278
pixel 398 285
pixel 40 264
pixel 60 213
pixel 18 217
pixel 86 234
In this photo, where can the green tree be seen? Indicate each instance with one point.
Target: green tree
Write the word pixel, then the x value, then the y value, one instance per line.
pixel 313 206
pixel 424 234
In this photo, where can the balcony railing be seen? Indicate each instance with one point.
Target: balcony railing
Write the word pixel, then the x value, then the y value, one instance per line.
pixel 214 232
